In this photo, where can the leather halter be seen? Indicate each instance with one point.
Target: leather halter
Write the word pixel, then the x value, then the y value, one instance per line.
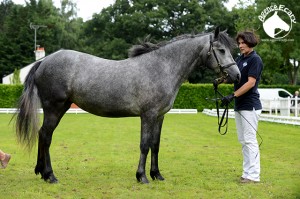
pixel 223 120
pixel 222 68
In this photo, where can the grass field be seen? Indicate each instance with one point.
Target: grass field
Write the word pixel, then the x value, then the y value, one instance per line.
pixel 95 157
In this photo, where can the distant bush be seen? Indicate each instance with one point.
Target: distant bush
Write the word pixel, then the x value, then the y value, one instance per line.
pixel 190 96
pixel 195 96
pixel 9 95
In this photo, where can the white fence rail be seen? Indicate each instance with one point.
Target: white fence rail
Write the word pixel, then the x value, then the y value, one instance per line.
pixel 78 111
pixel 263 117
pixel 211 112
pixel 283 106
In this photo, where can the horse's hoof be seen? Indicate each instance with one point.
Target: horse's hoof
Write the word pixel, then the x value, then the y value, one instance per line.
pixel 142 178
pixel 50 178
pixel 53 181
pixel 37 170
pixel 156 175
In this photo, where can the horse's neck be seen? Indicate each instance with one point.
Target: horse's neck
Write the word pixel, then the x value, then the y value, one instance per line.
pixel 183 56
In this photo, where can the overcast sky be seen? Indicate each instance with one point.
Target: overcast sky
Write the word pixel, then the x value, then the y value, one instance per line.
pixel 86 8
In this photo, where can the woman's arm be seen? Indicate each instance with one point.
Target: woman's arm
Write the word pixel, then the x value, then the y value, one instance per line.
pixel 246 87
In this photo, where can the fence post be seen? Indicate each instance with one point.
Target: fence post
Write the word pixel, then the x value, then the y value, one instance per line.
pixel 296 106
pixel 284 106
pixel 276 105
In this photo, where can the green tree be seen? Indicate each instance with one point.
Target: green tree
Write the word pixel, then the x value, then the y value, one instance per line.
pixel 17 38
pixel 14 40
pixel 16 77
pixel 245 17
pixel 69 26
pixel 5 7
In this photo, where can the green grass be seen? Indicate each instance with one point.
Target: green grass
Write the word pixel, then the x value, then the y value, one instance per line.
pixel 95 157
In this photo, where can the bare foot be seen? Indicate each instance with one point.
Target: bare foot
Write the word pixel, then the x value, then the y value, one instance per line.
pixel 4 162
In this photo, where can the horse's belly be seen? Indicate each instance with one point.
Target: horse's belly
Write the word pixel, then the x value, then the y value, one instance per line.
pixel 114 114
pixel 109 109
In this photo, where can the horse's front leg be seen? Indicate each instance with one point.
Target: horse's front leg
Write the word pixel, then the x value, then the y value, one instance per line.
pixel 154 171
pixel 148 122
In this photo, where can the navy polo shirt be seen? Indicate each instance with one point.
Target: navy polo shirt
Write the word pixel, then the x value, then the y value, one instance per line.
pixel 250 65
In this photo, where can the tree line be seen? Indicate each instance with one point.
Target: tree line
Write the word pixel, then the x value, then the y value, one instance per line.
pixel 113 30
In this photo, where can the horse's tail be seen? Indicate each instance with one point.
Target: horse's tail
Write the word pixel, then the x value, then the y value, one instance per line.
pixel 27 121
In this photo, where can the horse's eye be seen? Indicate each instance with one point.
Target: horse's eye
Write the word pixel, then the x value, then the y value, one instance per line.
pixel 222 50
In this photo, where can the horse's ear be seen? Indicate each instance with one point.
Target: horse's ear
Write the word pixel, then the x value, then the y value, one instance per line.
pixel 217 31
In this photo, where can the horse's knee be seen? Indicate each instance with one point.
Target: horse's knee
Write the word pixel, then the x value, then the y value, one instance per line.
pixel 45 136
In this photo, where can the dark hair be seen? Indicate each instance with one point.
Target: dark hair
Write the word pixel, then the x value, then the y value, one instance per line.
pixel 249 38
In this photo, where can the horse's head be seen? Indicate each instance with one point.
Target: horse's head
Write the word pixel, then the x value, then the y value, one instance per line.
pixel 219 57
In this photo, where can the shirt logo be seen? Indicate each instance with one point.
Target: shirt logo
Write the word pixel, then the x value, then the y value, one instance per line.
pixel 245 64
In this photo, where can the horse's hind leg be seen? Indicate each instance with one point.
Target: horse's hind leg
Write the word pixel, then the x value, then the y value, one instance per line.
pixel 154 171
pixel 52 116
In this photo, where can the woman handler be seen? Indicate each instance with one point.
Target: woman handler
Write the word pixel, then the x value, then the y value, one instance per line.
pixel 247 105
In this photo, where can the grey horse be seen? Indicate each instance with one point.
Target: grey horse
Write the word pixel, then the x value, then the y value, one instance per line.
pixel 144 85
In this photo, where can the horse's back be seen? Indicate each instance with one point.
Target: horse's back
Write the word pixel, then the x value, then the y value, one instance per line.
pixel 65 65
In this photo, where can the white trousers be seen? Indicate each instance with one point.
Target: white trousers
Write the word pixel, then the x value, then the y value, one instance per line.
pixel 246 124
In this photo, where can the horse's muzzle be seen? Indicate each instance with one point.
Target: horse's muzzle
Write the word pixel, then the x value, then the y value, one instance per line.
pixel 226 78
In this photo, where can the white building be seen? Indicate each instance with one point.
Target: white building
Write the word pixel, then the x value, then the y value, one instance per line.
pixel 39 54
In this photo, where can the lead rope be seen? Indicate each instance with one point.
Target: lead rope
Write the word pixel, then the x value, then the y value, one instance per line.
pixel 223 122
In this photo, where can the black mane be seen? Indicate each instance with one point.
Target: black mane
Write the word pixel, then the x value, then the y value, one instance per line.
pixel 146 46
pixel 227 41
pixel 142 48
